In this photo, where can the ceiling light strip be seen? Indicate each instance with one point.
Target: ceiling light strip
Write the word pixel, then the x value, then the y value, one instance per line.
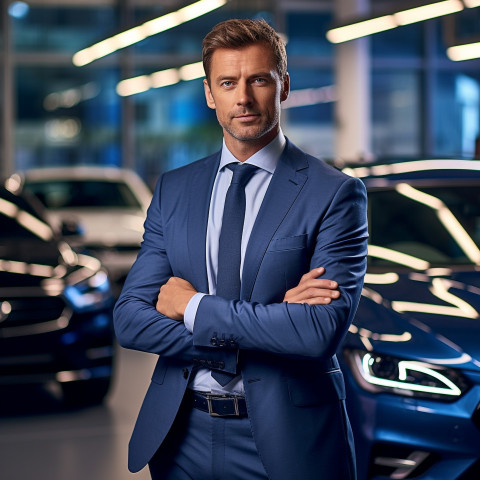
pixel 147 29
pixel 404 17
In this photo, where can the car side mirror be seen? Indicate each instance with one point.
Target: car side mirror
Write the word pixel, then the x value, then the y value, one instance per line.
pixel 70 228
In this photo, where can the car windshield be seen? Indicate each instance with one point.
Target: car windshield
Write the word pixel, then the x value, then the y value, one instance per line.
pixel 57 194
pixel 421 227
pixel 18 220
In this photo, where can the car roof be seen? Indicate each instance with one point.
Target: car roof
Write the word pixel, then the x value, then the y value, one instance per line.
pixel 431 170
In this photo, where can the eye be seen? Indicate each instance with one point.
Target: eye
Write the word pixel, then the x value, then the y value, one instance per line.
pixel 260 80
pixel 226 83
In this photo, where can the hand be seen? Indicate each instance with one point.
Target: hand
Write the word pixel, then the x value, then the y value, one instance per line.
pixel 313 290
pixel 174 297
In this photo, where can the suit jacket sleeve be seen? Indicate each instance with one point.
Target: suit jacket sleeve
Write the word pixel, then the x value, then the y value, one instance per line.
pixel 300 330
pixel 138 325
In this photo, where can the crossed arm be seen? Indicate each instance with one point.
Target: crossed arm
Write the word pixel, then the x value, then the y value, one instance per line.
pixel 176 293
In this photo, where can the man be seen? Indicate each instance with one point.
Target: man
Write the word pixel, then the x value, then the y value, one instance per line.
pixel 247 385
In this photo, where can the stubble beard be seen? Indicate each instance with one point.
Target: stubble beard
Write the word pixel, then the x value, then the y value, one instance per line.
pixel 254 132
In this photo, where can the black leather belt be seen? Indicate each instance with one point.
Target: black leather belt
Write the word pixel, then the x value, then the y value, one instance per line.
pixel 219 405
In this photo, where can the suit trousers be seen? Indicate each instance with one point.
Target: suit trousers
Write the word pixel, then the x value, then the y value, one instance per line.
pixel 202 447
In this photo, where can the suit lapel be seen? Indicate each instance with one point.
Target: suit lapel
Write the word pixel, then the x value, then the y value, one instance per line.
pixel 201 185
pixel 286 184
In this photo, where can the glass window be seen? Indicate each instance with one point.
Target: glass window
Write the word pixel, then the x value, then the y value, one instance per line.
pixel 57 194
pixel 402 224
pixel 306 34
pixel 62 29
pixel 396 120
pixel 404 42
pixel 66 116
pixel 309 111
pixel 456 119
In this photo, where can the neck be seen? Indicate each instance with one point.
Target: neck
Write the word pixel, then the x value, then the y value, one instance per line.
pixel 242 150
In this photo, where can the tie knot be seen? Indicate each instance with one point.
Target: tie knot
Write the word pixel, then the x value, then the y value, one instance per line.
pixel 242 173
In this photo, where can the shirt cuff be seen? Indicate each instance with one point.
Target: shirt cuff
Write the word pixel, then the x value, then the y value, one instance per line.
pixel 191 311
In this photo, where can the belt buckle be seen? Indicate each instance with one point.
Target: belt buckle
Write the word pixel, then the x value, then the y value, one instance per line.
pixel 214 414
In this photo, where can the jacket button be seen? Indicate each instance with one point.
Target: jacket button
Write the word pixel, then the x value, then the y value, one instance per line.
pixel 185 373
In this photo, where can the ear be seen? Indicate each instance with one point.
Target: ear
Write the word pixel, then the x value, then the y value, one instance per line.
pixel 208 95
pixel 285 88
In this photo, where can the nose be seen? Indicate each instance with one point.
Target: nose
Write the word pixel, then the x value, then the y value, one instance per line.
pixel 244 93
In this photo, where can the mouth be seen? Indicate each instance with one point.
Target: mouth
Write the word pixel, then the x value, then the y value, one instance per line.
pixel 247 117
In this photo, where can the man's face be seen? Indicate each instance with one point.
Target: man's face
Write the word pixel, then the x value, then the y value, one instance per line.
pixel 246 91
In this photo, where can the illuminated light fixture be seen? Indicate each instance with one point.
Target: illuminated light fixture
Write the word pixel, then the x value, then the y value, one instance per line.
pixel 446 217
pixel 387 22
pixel 147 29
pixel 426 12
pixel 471 3
pixel 403 381
pixel 361 29
pixel 459 53
pixel 163 78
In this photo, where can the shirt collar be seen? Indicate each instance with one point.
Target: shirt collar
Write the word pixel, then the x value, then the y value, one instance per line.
pixel 266 158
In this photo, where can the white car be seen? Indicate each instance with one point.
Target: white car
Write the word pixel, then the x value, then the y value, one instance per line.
pixel 106 206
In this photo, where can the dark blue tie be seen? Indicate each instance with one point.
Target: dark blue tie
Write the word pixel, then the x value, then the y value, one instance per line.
pixel 230 242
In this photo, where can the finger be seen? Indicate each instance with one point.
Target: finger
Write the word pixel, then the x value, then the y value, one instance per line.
pixel 314 273
pixel 317 283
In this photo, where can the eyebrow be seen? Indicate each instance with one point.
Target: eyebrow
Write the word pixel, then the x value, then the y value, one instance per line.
pixel 221 78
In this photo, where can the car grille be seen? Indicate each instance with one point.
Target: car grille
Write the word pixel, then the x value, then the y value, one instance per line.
pixel 31 315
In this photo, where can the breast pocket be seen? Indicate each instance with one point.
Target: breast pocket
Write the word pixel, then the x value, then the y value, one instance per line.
pixel 296 242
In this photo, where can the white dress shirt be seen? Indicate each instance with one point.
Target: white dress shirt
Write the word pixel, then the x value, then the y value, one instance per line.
pixel 266 160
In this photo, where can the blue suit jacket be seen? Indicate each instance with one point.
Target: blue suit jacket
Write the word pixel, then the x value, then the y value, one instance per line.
pixel 312 215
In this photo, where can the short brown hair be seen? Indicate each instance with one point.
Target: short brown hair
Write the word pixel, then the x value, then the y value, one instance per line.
pixel 238 33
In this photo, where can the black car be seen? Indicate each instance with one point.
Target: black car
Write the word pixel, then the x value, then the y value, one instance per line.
pixel 55 309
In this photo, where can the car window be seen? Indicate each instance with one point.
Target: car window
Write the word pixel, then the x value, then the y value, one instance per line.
pixel 56 194
pixel 439 225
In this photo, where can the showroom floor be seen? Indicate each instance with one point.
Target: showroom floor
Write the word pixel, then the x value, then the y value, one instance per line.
pixel 39 443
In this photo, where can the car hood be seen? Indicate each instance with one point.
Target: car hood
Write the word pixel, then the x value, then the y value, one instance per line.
pixel 109 227
pixel 46 267
pixel 432 318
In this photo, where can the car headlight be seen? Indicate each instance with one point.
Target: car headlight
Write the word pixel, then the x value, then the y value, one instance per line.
pixel 383 373
pixel 92 293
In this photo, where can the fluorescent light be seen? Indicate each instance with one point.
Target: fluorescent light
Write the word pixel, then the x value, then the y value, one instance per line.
pixel 132 86
pixel 471 3
pixel 426 12
pixel 404 17
pixel 468 51
pixel 192 71
pixel 139 33
pixel 361 29
pixel 163 78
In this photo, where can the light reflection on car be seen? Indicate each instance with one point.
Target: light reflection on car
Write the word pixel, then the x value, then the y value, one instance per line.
pixel 55 309
pixel 412 355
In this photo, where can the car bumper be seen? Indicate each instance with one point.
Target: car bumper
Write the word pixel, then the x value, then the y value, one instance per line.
pixel 400 437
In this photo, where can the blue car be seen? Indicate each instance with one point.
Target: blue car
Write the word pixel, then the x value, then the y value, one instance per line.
pixel 412 356
pixel 55 310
